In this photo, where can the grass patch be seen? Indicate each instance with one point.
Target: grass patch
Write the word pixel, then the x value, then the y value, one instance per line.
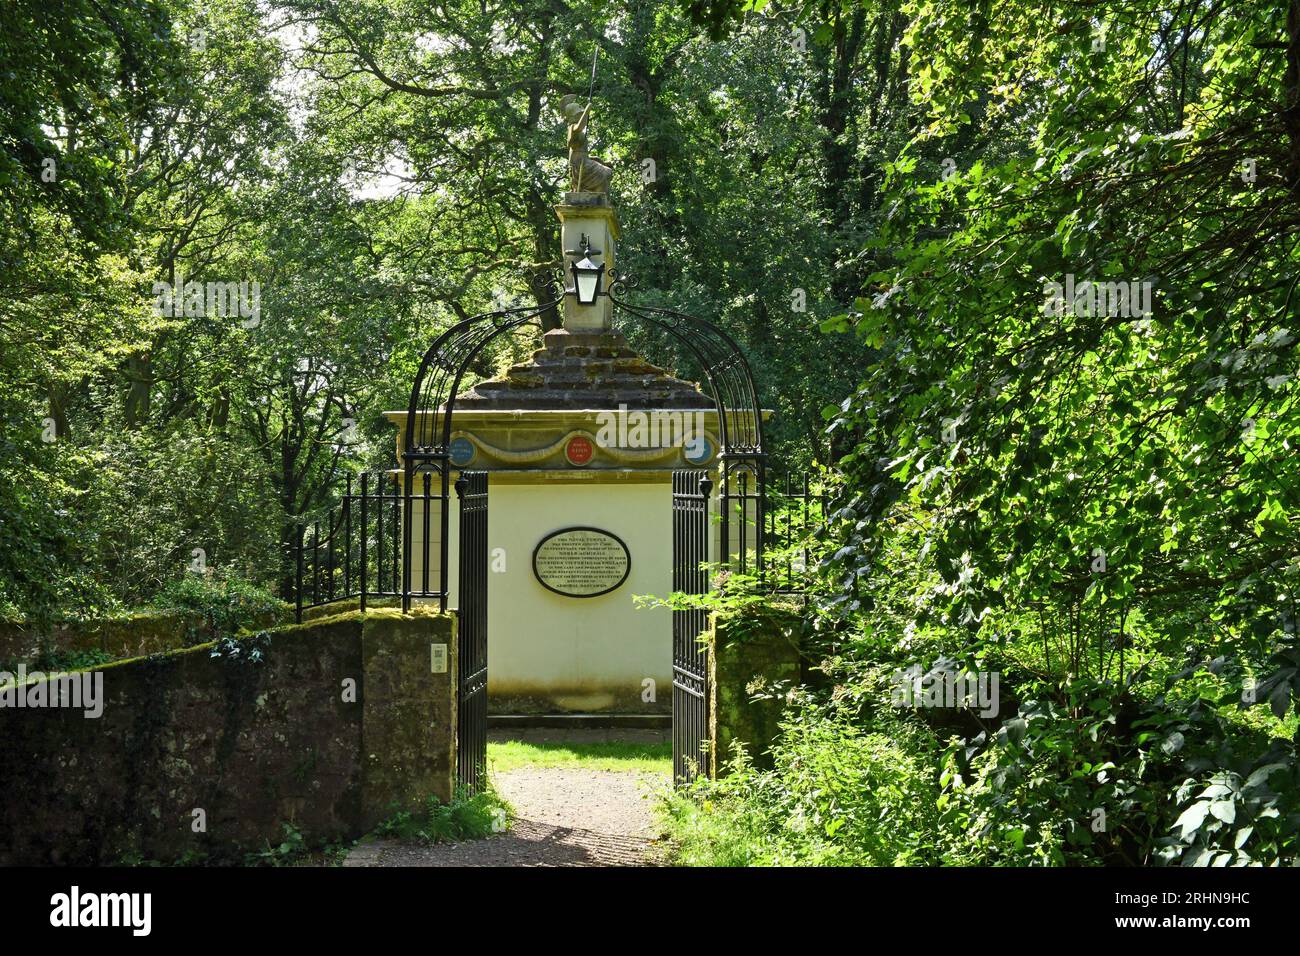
pixel 700 833
pixel 604 755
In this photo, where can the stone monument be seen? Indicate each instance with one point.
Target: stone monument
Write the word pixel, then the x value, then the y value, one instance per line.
pixel 580 443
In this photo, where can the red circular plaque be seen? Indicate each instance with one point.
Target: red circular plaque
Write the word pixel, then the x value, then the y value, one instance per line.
pixel 579 450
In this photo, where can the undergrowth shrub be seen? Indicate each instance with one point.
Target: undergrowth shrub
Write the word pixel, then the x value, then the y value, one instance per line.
pixel 1128 750
pixel 467 817
pixel 838 794
pixel 223 604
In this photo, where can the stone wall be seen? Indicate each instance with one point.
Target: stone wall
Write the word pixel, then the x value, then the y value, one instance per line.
pixel 140 633
pixel 132 634
pixel 255 733
pixel 124 635
pixel 754 660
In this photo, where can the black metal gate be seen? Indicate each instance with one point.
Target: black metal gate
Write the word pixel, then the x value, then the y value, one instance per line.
pixel 472 660
pixel 691 490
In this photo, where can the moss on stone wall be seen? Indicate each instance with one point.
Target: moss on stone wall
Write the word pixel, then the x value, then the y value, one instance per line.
pixel 115 637
pixel 754 660
pixel 255 733
pixel 409 732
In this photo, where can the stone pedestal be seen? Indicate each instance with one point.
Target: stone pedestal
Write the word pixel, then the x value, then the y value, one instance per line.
pixel 590 215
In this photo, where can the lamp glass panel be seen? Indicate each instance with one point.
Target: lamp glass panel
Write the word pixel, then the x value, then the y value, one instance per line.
pixel 586 284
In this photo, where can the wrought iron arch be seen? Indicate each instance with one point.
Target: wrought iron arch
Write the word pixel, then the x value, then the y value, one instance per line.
pixel 741 458
pixel 425 449
pixel 728 378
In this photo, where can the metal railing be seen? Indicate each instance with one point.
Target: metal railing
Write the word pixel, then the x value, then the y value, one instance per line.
pixel 796 510
pixel 789 510
pixel 355 549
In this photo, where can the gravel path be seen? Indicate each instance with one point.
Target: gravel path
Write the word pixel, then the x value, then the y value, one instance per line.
pixel 564 817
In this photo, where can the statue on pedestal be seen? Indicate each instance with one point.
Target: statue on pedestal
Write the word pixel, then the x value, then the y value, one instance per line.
pixel 585 174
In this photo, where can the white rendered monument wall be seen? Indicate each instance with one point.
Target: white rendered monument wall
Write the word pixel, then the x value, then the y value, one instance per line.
pixel 551 653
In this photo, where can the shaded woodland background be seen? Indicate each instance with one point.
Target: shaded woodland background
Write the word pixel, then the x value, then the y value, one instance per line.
pixel 1101 506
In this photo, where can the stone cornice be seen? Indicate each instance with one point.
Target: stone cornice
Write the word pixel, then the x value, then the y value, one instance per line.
pixel 552 417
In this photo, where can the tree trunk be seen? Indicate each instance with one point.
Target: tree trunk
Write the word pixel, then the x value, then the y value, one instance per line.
pixel 139 393
pixel 1291 91
pixel 58 405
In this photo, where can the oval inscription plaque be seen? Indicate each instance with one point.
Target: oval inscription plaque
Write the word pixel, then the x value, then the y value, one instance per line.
pixel 581 562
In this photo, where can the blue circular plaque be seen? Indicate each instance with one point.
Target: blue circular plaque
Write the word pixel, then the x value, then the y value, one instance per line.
pixel 698 450
pixel 461 451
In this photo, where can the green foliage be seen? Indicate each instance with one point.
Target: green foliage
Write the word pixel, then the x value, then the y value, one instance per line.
pixel 1239 819
pixel 467 817
pixel 67 63
pixel 224 605
pixel 156 504
pixel 837 795
pixel 245 651
pixel 39 576
pixel 130 437
pixel 52 659
pixel 192 857
pixel 292 848
pixel 1098 504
